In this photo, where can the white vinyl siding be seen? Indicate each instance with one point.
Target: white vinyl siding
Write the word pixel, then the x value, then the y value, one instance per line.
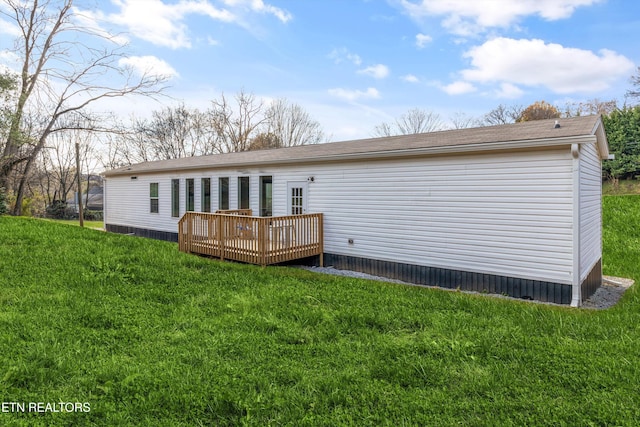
pixel 505 213
pixel 590 208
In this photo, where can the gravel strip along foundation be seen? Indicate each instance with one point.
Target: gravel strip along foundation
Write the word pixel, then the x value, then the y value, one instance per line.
pixel 606 296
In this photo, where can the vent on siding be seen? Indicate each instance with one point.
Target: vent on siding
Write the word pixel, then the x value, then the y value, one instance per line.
pixel 133 178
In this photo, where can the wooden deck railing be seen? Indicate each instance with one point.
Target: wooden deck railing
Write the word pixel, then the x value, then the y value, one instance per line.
pixel 237 236
pixel 243 212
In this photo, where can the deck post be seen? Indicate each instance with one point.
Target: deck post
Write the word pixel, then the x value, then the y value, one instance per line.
pixel 210 231
pixel 263 236
pixel 321 237
pixel 189 232
pixel 221 236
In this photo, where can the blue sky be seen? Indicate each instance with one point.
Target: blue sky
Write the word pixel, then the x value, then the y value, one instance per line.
pixel 353 64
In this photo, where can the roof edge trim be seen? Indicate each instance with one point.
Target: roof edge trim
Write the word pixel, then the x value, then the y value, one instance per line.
pixel 467 148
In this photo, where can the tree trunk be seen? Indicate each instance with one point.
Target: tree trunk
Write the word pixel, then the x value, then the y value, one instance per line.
pixel 17 209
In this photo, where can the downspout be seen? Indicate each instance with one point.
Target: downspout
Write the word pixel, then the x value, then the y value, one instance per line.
pixel 576 295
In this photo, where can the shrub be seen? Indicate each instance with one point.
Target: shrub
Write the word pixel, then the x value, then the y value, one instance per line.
pixel 92 215
pixel 59 210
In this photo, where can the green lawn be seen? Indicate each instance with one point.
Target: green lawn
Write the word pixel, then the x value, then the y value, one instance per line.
pixel 149 336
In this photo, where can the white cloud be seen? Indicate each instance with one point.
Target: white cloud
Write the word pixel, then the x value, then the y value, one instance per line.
pixel 378 71
pixel 9 59
pixel 9 28
pixel 508 90
pixel 466 17
pixel 535 63
pixel 260 7
pixel 342 54
pixel 164 24
pixel 149 65
pixel 410 78
pixel 458 88
pixel 422 40
pixel 355 95
pixel 92 21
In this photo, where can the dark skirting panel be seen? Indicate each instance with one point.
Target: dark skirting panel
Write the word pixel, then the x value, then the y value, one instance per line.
pixel 454 279
pixel 143 232
pixel 592 282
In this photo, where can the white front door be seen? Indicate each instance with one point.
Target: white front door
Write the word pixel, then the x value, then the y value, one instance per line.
pixel 297 198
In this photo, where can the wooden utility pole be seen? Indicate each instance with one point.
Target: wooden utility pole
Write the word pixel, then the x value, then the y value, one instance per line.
pixel 80 213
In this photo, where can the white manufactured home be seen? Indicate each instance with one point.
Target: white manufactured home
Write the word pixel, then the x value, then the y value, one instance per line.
pixel 512 209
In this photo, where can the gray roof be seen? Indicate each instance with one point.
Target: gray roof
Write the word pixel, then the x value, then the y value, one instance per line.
pixel 538 133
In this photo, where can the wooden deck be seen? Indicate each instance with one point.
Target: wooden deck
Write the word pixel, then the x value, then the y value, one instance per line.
pixel 238 236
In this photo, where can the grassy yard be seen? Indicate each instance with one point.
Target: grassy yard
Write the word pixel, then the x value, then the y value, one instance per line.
pixel 152 337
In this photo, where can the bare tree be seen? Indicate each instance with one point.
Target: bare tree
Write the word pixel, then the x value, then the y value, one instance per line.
pixel 112 154
pixel 383 129
pixel 412 122
pixel 635 81
pixel 132 144
pixel 460 120
pixel 592 106
pixel 59 164
pixel 234 130
pixel 502 115
pixel 419 121
pixel 172 132
pixel 291 125
pixel 59 77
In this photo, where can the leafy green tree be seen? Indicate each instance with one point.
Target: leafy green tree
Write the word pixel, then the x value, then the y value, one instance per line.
pixel 623 134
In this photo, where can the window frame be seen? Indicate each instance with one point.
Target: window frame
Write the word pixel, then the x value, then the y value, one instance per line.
pixel 190 195
pixel 244 192
pixel 223 193
pixel 205 194
pixel 154 200
pixel 175 198
pixel 266 195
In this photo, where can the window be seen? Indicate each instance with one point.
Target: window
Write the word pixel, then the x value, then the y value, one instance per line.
pixel 205 188
pixel 175 197
pixel 266 196
pixel 297 204
pixel 223 202
pixel 190 192
pixel 243 192
pixel 153 196
pixel 297 201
